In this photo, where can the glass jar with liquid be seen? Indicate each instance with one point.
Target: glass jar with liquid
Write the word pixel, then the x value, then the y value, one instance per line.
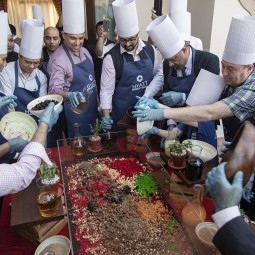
pixel 79 144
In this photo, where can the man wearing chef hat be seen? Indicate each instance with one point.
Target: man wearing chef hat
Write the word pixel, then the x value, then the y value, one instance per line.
pixel 127 69
pixel 71 69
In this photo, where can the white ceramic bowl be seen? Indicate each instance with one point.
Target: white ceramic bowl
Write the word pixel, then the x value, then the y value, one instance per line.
pixel 205 232
pixel 143 127
pixel 42 99
pixel 60 245
pixel 154 159
pixel 208 152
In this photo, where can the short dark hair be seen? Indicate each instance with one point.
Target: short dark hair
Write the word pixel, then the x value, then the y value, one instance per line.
pixel 13 29
pixel 99 23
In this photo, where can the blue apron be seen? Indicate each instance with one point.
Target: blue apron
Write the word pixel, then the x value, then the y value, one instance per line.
pixel 83 78
pixel 182 84
pixel 136 76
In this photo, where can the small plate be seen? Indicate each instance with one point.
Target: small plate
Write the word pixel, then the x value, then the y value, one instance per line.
pixel 18 124
pixel 91 150
pixel 60 190
pixel 171 164
pixel 205 232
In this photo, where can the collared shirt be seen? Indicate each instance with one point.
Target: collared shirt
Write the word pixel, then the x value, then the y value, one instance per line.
pixel 109 75
pixel 242 100
pixel 17 176
pixel 60 69
pixel 156 85
pixel 222 217
pixel 7 80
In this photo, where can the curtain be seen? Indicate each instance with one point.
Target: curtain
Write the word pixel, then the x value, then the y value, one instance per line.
pixel 58 6
pixel 3 5
pixel 22 9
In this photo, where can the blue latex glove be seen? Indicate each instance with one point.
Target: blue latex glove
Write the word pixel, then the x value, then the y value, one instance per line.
pixel 148 114
pixel 247 190
pixel 8 101
pixel 172 98
pixel 74 97
pixel 225 148
pixel 107 123
pixel 152 131
pixel 147 101
pixel 222 191
pixel 17 144
pixel 49 116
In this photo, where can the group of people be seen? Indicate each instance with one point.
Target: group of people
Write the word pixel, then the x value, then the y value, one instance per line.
pixel 126 73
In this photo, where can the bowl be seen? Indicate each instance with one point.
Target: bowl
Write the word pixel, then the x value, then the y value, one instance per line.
pixel 38 100
pixel 18 124
pixel 130 116
pixel 205 232
pixel 208 151
pixel 154 159
pixel 60 245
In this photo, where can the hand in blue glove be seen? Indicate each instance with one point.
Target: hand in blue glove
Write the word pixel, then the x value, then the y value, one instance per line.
pixel 247 190
pixel 49 116
pixel 74 97
pixel 172 98
pixel 8 101
pixel 222 191
pixel 148 114
pixel 225 148
pixel 107 123
pixel 152 131
pixel 147 101
pixel 17 144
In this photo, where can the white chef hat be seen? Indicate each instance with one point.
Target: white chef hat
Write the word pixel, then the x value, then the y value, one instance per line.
pixel 29 21
pixel 3 32
pixel 125 16
pixel 38 13
pixel 182 21
pixel 73 16
pixel 32 39
pixel 165 36
pixel 178 5
pixel 240 46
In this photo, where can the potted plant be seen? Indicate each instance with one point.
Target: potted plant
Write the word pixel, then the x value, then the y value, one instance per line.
pixel 178 152
pixel 95 139
pixel 49 175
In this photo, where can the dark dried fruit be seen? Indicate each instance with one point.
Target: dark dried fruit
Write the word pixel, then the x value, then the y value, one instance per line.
pixel 126 190
pixel 43 105
pixel 91 206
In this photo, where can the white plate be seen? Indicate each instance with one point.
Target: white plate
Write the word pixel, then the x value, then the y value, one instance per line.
pixel 208 152
pixel 156 155
pixel 42 99
pixel 205 232
pixel 17 124
pixel 60 245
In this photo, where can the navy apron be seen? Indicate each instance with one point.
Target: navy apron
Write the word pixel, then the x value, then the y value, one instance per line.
pixel 136 76
pixel 182 84
pixel 83 78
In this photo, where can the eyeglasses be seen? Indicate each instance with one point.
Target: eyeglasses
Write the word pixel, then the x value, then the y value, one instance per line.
pixel 130 40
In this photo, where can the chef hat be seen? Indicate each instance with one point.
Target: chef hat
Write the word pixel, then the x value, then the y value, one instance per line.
pixel 178 5
pixel 206 81
pixel 3 32
pixel 165 36
pixel 240 46
pixel 32 39
pixel 38 13
pixel 182 21
pixel 125 16
pixel 73 16
pixel 29 21
pixel 196 42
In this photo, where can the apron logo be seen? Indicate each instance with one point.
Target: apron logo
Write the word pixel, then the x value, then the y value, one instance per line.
pixel 90 77
pixel 140 83
pixel 139 78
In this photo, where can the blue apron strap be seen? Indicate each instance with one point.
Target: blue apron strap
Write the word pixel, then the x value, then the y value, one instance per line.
pixel 68 54
pixel 16 74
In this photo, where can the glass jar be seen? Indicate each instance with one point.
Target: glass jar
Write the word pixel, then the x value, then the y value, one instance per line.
pixel 79 144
